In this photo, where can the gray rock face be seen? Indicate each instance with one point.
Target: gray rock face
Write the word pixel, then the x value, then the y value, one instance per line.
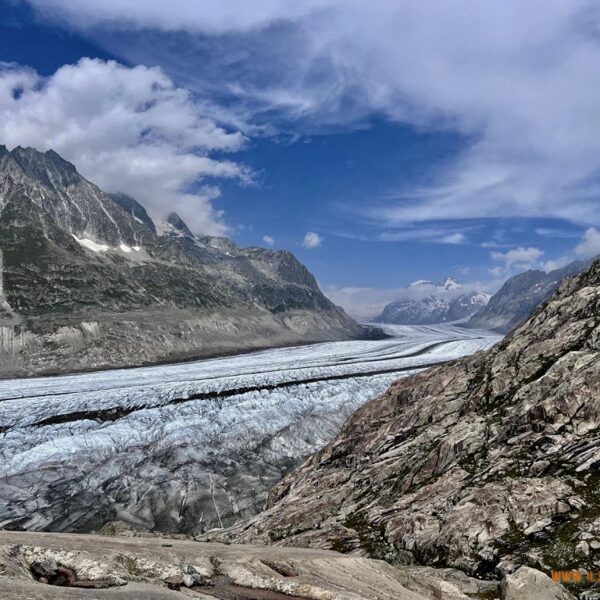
pixel 132 206
pixel 135 565
pixel 85 272
pixel 441 303
pixel 155 568
pixel 481 464
pixel 520 295
pixel 533 585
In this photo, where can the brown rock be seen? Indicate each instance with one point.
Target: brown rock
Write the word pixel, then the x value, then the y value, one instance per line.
pixel 462 464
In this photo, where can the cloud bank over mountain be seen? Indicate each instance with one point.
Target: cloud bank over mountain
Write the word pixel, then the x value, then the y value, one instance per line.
pixel 128 129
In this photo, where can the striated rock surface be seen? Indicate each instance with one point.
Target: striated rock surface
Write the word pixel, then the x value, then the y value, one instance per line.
pixel 88 282
pixel 152 568
pixel 483 464
pixel 161 568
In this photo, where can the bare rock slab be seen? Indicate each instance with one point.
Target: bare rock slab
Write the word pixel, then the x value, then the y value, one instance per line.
pixel 530 584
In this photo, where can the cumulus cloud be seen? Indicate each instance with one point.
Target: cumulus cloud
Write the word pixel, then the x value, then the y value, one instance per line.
pixel 312 240
pixel 590 245
pixel 268 240
pixel 126 129
pixel 518 80
pixel 516 260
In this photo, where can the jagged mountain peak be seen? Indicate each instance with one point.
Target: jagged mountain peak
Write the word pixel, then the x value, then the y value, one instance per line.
pixel 35 156
pixel 519 296
pixel 449 283
pixel 132 206
pixel 47 192
pixel 178 224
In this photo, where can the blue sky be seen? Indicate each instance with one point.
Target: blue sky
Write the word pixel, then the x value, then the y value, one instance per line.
pixel 380 146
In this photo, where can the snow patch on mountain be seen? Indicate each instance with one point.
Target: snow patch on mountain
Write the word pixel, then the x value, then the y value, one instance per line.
pixel 91 244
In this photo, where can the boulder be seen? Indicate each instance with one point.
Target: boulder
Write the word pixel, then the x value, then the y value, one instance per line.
pixel 529 584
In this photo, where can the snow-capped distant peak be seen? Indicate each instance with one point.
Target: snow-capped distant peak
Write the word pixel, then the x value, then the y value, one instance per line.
pixel 426 303
pixel 420 282
pixel 450 284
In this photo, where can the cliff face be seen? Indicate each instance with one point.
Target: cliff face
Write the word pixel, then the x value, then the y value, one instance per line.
pixel 484 463
pixel 520 295
pixel 88 282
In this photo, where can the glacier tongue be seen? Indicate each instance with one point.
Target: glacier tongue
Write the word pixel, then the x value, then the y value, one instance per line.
pixel 187 447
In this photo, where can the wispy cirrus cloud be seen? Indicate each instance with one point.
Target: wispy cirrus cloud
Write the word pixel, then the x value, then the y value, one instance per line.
pixel 518 80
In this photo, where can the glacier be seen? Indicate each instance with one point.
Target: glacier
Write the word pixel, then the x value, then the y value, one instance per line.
pixel 191 446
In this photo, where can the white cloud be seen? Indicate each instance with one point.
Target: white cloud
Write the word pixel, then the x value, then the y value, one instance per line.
pixel 518 79
pixel 516 260
pixel 312 240
pixel 363 303
pixel 557 263
pixel 590 245
pixel 126 129
pixel 519 255
pixel 454 238
pixel 208 16
pixel 269 240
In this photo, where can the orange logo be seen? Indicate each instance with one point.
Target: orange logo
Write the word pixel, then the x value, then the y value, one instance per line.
pixel 574 576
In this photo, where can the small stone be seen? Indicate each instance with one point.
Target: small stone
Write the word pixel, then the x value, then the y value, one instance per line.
pixel 595 544
pixel 190 580
pixel 582 549
pixel 174 582
pixel 505 567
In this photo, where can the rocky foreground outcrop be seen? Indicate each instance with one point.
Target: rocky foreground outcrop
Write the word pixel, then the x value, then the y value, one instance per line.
pixel 482 464
pixel 66 566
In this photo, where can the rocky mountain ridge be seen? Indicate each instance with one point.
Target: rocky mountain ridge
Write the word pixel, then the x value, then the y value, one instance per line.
pixel 483 464
pixel 520 295
pixel 427 303
pixel 88 282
